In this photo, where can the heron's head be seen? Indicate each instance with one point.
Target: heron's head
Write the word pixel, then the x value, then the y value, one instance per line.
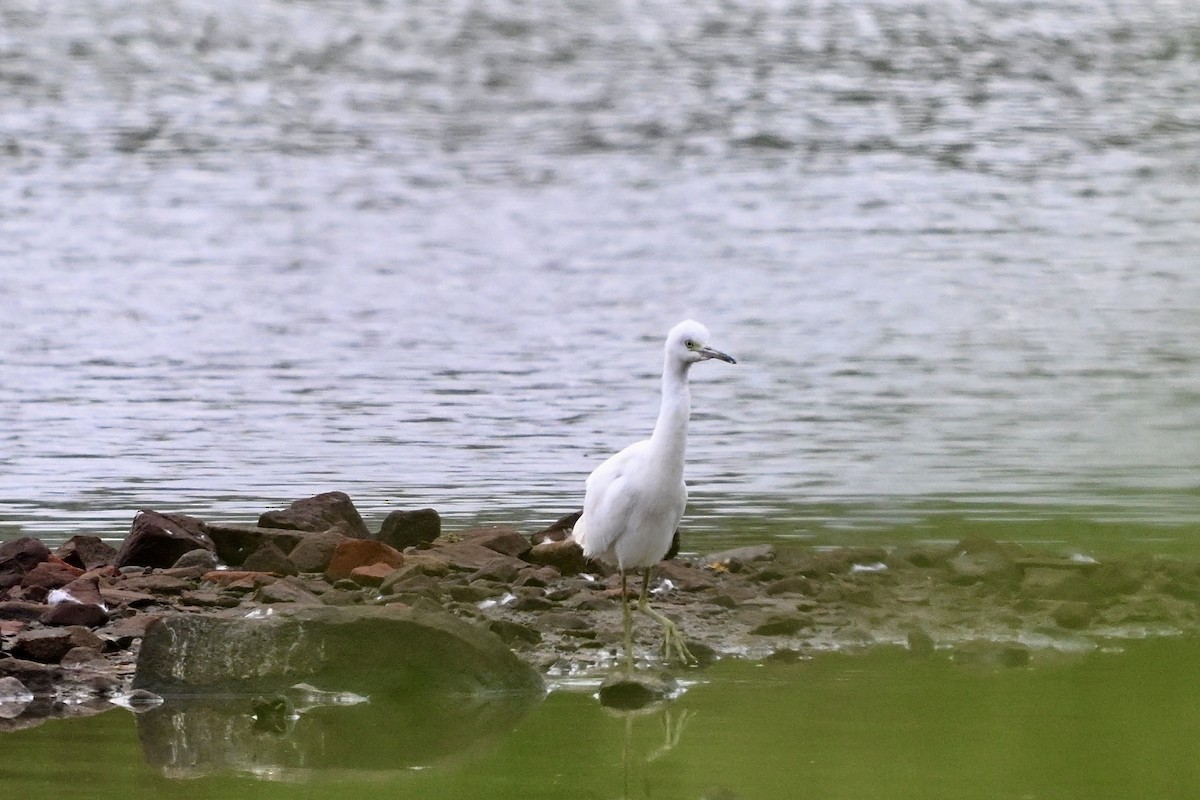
pixel 688 342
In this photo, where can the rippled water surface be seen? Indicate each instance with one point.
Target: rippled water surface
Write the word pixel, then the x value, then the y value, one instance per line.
pixel 425 253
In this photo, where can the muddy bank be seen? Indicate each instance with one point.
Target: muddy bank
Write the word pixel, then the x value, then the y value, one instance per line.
pixel 72 621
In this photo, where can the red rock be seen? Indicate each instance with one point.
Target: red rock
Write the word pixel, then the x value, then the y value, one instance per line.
pixel 231 576
pixel 371 575
pixel 53 573
pixel 354 553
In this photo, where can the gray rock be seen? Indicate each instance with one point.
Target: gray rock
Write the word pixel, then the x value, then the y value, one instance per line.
pixel 403 529
pixel 158 540
pixel 743 555
pixel 399 650
pixel 503 570
pixel 205 559
pixel 315 551
pixel 318 513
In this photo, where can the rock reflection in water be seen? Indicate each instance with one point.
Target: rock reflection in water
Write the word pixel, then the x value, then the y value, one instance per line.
pixel 284 738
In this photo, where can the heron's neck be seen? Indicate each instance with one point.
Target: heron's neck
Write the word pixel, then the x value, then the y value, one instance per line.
pixel 669 440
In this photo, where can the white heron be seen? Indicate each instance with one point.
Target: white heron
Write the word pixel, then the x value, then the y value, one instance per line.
pixel 635 499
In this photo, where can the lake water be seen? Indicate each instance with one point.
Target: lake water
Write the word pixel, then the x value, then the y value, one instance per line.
pixel 425 253
pixel 1088 726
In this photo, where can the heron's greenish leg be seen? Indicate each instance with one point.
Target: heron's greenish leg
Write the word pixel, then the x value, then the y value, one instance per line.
pixel 673 646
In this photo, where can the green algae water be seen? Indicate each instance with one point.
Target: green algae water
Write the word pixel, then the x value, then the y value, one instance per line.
pixel 1116 722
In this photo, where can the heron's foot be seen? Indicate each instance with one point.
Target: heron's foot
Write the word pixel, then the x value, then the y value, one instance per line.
pixel 673 646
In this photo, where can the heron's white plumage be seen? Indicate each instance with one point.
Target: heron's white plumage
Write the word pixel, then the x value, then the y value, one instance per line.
pixel 635 499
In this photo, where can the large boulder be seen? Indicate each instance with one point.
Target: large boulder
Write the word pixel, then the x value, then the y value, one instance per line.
pixel 158 540
pixel 412 651
pixel 318 513
pixel 18 558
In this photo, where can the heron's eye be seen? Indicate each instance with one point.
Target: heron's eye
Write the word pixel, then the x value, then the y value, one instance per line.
pixel 690 344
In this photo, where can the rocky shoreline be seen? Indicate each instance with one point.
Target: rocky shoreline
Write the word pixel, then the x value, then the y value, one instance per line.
pixel 72 621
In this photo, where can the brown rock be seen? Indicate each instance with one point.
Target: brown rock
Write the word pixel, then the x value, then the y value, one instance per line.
pixel 78 656
pixel 684 577
pixel 354 553
pixel 403 529
pixel 49 645
pixel 230 576
pixel 18 557
pixel 371 575
pixel 541 576
pixel 269 558
pixel 82 614
pixel 318 513
pixel 782 625
pixel 158 540
pixel 504 540
pixel 87 552
pixel 22 610
pixel 154 584
pixel 566 556
pixel 315 551
pixel 85 589
pixel 285 592
pixel 797 584
pixel 38 678
pixel 463 556
pixel 234 543
pixel 560 530
pixel 53 573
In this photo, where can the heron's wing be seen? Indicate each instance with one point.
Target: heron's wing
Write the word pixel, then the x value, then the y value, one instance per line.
pixel 608 502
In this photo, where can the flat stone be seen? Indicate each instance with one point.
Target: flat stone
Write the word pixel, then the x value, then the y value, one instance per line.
pixel 285 592
pixel 22 610
pixel 742 555
pixel 372 574
pixel 155 585
pixel 463 556
pixel 782 625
